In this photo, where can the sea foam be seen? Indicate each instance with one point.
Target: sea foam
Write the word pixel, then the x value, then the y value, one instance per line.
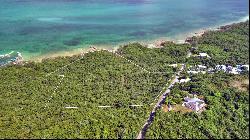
pixel 246 18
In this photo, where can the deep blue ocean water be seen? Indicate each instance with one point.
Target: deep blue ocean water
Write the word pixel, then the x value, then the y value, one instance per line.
pixel 38 27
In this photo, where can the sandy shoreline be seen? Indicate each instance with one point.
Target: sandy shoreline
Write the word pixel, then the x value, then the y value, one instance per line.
pixel 65 53
pixel 178 39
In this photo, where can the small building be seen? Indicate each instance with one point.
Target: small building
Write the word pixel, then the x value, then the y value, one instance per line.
pixel 173 65
pixel 194 103
pixel 192 72
pixel 210 70
pixel 203 72
pixel 221 68
pixel 246 67
pixel 61 75
pixel 204 55
pixel 242 68
pixel 202 67
pixel 184 80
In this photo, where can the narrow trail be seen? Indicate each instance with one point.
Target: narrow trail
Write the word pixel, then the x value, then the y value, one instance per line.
pixel 131 62
pixel 161 100
pixel 113 52
pixel 82 55
pixel 61 77
pixel 140 67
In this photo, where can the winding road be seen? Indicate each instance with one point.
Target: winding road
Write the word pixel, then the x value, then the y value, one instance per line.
pixel 161 100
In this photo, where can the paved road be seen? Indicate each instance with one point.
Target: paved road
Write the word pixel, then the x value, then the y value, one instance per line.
pixel 158 105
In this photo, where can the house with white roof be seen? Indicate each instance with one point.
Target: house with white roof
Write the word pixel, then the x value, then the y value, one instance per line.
pixel 173 65
pixel 210 70
pixel 202 67
pixel 192 72
pixel 194 103
pixel 184 80
pixel 204 55
pixel 246 66
pixel 242 68
pixel 196 72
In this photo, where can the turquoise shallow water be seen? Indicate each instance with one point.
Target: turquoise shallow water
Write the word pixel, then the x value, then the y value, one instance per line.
pixel 38 27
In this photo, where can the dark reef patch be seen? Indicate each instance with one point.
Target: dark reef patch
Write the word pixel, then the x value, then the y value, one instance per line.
pixel 73 42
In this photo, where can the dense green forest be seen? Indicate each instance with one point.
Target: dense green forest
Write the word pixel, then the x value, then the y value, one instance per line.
pixel 33 104
pixel 29 108
pixel 33 96
pixel 155 60
pixel 230 46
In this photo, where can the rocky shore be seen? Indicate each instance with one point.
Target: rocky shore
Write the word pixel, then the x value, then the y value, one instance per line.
pixel 11 59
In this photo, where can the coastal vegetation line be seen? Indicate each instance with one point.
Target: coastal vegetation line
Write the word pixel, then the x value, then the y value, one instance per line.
pixel 102 79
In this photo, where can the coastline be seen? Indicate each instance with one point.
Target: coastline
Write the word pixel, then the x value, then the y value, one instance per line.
pixel 78 51
pixel 153 43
